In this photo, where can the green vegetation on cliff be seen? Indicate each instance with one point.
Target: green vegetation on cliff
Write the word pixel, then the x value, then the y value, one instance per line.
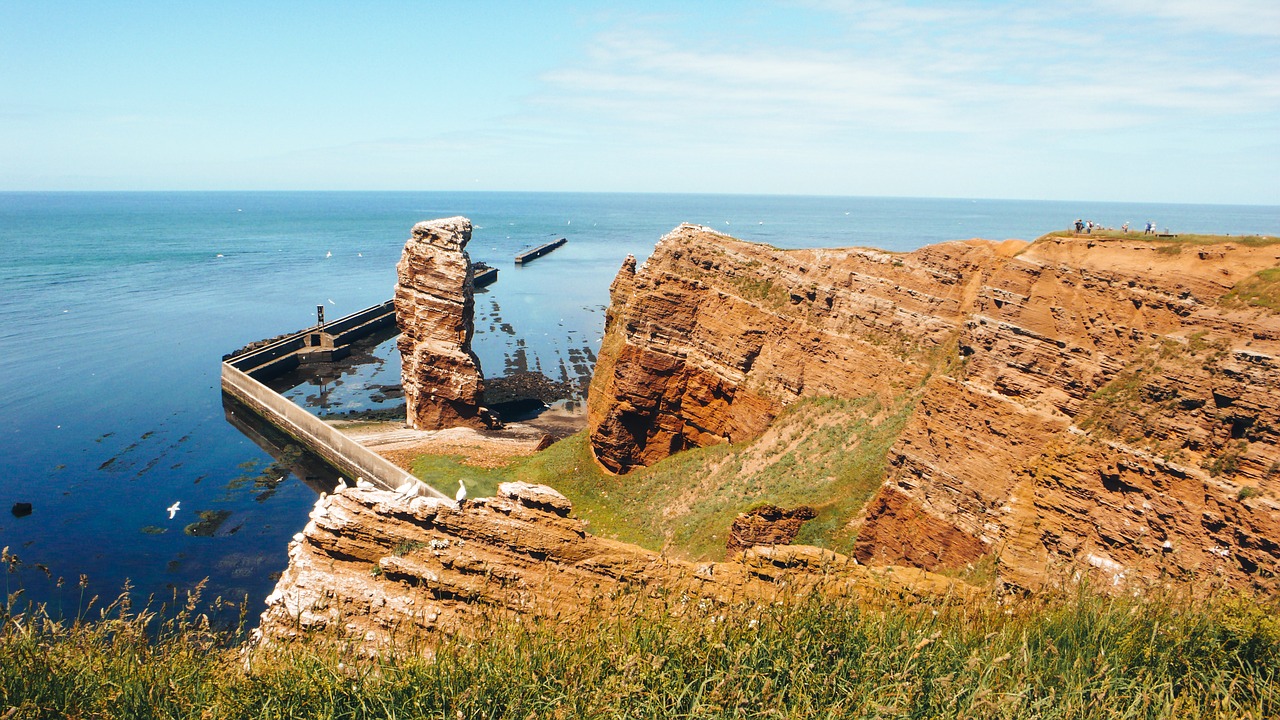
pixel 1262 289
pixel 1178 239
pixel 1069 656
pixel 827 453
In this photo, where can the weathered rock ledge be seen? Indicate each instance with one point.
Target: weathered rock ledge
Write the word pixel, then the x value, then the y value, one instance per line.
pixel 1080 404
pixel 375 567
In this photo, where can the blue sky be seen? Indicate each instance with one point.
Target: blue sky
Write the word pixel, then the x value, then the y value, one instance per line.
pixel 1131 100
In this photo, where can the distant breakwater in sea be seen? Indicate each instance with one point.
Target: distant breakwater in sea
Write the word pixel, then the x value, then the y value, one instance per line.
pixel 121 306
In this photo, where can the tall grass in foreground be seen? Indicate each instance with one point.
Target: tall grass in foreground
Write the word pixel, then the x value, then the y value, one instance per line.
pixel 1070 656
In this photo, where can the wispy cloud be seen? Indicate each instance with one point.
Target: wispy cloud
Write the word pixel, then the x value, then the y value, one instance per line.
pixel 1231 17
pixel 953 69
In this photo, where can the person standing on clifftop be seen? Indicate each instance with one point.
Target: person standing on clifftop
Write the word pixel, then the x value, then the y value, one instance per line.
pixel 1125 227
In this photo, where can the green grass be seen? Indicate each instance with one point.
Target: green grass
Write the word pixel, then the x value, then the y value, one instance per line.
pixel 1262 289
pixel 1076 655
pixel 444 471
pixel 1177 239
pixel 827 453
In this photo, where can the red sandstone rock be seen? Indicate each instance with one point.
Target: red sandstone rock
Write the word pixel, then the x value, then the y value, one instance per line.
pixel 443 384
pixel 373 566
pixel 767 525
pixel 1082 405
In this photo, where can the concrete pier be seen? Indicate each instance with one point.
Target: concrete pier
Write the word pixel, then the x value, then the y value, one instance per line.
pixel 340 451
pixel 484 275
pixel 539 251
pixel 320 343
pixel 243 371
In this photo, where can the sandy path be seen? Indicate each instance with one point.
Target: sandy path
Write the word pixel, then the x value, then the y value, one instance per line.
pixel 478 448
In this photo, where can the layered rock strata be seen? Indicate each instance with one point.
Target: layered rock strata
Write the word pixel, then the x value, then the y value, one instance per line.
pixel 712 336
pixel 443 384
pixel 767 525
pixel 374 566
pixel 1081 405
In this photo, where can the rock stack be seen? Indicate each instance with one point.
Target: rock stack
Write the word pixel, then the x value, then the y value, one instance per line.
pixel 443 383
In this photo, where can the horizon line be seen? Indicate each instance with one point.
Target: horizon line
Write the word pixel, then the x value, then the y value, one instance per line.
pixel 621 192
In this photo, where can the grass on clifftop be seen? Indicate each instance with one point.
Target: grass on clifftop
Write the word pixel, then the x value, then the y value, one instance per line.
pixel 1070 656
pixel 1174 239
pixel 827 453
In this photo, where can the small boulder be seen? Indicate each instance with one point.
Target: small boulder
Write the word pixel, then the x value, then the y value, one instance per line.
pixel 767 525
pixel 539 497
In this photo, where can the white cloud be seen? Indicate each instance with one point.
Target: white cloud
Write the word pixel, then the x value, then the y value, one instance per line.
pixel 994 77
pixel 1232 17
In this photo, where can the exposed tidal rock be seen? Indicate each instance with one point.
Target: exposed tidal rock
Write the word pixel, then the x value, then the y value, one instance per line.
pixel 1078 405
pixel 443 384
pixel 374 566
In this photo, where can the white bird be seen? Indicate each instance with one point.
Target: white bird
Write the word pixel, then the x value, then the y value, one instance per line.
pixel 173 509
pixel 461 494
pixel 331 302
pixel 342 482
pixel 329 254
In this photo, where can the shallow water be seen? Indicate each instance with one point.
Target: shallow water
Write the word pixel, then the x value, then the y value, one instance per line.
pixel 119 307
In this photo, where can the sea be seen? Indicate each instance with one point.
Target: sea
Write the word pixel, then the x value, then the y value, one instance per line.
pixel 118 307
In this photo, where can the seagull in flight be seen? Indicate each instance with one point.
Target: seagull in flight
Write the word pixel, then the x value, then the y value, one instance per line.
pixel 173 509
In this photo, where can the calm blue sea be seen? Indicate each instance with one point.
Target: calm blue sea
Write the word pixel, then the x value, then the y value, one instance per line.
pixel 118 307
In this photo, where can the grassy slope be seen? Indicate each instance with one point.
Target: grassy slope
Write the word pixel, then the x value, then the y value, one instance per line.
pixel 1262 289
pixel 827 453
pixel 1074 656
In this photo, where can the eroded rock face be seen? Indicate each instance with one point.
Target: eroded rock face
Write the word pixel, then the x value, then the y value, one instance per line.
pixel 1107 420
pixel 1082 406
pixel 443 383
pixel 712 336
pixel 767 525
pixel 373 565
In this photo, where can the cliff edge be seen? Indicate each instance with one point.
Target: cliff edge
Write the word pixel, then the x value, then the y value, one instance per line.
pixel 1078 405
pixel 378 568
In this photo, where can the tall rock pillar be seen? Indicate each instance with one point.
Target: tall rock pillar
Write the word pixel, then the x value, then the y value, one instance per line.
pixel 443 384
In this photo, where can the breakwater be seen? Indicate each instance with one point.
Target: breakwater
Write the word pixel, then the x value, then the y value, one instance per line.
pixel 244 370
pixel 323 342
pixel 340 451
pixel 534 254
pixel 484 275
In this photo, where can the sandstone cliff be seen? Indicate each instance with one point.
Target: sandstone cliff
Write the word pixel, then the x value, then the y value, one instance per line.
pixel 443 384
pixel 375 567
pixel 1080 404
